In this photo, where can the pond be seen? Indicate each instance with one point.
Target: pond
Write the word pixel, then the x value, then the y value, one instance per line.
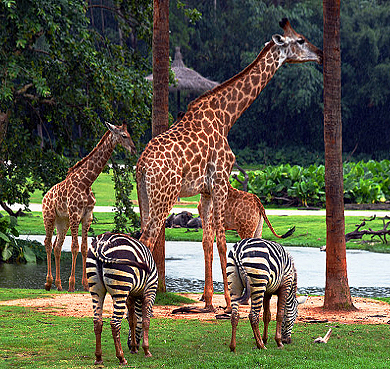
pixel 368 273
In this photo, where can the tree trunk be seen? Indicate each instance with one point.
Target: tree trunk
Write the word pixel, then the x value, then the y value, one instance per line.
pixel 337 293
pixel 160 103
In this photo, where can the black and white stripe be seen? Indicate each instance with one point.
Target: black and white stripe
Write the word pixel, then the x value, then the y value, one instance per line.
pixel 258 269
pixel 123 267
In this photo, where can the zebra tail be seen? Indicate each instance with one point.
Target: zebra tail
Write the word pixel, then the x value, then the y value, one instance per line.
pixel 245 282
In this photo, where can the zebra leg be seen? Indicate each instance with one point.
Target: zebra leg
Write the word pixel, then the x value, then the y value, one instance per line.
pixel 131 341
pixel 266 317
pixel 147 303
pixel 282 298
pixel 234 318
pixel 254 319
pixel 115 322
pixel 98 327
pixel 98 293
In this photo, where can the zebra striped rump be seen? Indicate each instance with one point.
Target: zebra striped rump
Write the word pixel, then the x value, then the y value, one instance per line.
pixel 257 269
pixel 123 267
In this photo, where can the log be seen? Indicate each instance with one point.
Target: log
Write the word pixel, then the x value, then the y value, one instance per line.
pixel 358 234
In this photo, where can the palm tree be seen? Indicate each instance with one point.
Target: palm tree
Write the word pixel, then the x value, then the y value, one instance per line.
pixel 337 293
pixel 160 48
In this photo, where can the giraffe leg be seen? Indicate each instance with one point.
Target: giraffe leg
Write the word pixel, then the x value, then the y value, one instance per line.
pixel 74 228
pixel 219 198
pixel 259 229
pixel 207 243
pixel 222 248
pixel 86 223
pixel 62 228
pixel 49 247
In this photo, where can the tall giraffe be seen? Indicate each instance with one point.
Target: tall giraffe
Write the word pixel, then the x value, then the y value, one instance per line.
pixel 71 201
pixel 194 156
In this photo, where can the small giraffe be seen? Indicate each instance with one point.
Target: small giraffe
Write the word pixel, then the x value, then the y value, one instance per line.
pixel 245 213
pixel 193 156
pixel 71 201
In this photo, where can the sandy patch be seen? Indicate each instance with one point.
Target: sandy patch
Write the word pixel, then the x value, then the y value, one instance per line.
pixel 369 311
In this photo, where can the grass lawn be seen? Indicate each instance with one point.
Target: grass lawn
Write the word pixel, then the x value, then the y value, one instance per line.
pixel 31 339
pixel 310 230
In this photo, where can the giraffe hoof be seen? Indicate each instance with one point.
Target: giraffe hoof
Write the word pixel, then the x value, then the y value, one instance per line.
pixel 47 286
pixel 209 309
pixel 228 310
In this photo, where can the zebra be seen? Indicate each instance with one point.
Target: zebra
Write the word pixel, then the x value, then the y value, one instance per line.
pixel 258 269
pixel 123 267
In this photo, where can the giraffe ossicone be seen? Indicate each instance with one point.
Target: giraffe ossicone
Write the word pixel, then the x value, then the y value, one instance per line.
pixel 194 156
pixel 71 202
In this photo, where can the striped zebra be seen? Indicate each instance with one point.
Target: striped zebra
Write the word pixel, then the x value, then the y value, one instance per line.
pixel 258 269
pixel 123 267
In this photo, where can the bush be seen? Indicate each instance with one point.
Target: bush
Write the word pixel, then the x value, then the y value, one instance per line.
pixel 13 250
pixel 364 182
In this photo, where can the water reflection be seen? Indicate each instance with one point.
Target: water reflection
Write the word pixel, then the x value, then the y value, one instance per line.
pixel 368 273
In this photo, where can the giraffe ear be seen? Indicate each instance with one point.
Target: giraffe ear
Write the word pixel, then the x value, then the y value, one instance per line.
pixel 110 126
pixel 279 40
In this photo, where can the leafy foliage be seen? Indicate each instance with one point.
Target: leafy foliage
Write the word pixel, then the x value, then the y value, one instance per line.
pixel 60 78
pixel 289 110
pixel 364 182
pixel 12 249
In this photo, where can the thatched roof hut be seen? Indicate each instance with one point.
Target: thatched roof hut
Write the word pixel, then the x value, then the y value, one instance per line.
pixel 187 79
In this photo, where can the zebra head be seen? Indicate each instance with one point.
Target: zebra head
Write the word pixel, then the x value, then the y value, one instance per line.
pixel 290 311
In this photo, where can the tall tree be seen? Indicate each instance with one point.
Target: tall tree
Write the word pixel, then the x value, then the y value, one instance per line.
pixel 58 80
pixel 337 293
pixel 160 48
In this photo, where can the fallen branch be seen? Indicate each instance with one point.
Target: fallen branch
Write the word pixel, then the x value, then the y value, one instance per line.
pixel 324 339
pixel 358 234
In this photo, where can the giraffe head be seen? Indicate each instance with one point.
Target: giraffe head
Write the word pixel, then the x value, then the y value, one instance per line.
pixel 121 136
pixel 294 47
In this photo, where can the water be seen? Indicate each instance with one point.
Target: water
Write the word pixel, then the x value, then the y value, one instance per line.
pixel 368 273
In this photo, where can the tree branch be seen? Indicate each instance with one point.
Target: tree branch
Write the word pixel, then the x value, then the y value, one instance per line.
pixel 358 234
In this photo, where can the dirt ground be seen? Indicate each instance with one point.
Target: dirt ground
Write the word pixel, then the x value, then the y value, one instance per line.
pixel 80 305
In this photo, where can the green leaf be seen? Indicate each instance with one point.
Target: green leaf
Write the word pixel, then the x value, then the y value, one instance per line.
pixel 7 252
pixel 29 255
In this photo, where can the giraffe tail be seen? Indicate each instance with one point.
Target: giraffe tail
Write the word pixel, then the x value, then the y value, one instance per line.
pixel 262 212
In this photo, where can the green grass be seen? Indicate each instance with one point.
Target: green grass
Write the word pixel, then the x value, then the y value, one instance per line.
pixel 310 230
pixel 103 189
pixel 31 339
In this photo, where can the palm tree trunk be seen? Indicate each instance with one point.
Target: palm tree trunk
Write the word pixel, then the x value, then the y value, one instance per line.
pixel 160 104
pixel 337 293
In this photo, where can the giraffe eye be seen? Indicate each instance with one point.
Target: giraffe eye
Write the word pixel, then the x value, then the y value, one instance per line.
pixel 301 41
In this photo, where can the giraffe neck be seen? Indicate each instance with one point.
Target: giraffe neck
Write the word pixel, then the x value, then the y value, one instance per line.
pixel 234 96
pixel 89 168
